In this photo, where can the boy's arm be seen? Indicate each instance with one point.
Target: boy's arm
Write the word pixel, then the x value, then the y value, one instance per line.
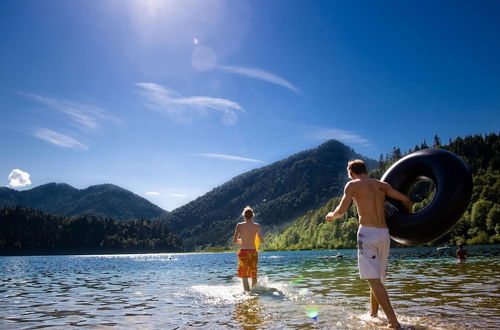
pixel 343 205
pixel 259 234
pixel 393 193
pixel 237 240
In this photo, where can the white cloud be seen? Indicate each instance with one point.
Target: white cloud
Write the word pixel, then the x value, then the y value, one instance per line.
pixel 229 157
pixel 175 195
pixel 204 58
pixel 83 115
pixel 18 178
pixel 185 109
pixel 57 139
pixel 259 74
pixel 341 135
pixel 152 193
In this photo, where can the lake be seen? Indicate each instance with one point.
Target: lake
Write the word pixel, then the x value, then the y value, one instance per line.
pixel 429 289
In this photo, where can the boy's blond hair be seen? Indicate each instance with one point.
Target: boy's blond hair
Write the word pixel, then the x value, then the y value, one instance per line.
pixel 247 213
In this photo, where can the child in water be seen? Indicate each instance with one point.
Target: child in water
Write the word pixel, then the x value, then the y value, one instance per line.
pixel 248 234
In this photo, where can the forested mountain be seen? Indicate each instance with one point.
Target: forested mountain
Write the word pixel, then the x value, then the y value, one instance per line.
pixel 290 198
pixel 479 225
pixel 105 200
pixel 279 193
pixel 29 231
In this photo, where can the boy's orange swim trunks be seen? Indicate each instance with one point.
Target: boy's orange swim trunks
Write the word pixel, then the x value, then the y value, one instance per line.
pixel 247 263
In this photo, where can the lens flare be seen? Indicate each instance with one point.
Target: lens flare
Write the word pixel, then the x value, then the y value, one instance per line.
pixel 312 312
pixel 298 280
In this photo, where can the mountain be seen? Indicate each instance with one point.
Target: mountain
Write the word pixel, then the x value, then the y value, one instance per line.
pixel 105 200
pixel 279 193
pixel 480 224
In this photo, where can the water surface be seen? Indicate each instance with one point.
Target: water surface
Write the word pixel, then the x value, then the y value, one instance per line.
pixel 428 289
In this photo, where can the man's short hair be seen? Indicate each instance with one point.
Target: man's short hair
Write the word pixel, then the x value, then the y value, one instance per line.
pixel 357 166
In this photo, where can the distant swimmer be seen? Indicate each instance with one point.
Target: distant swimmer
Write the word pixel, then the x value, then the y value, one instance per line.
pixel 373 235
pixel 461 253
pixel 248 234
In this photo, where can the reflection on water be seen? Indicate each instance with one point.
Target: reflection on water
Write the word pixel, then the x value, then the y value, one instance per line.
pixel 298 290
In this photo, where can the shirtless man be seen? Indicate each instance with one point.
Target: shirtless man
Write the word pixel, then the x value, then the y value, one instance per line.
pixel 245 234
pixel 373 235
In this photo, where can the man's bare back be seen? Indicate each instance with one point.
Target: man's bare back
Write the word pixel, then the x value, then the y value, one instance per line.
pixel 369 196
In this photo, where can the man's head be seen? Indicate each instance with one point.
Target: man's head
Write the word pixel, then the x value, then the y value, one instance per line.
pixel 247 213
pixel 357 167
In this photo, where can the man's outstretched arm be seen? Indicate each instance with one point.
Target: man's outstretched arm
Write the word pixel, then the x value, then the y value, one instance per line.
pixel 344 204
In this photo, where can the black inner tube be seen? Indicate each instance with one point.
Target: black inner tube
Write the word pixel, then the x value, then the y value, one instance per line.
pixel 453 189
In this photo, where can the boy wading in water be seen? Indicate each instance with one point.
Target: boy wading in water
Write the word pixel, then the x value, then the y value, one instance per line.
pixel 373 235
pixel 245 234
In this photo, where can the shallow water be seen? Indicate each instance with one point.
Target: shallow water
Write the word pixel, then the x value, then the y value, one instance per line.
pixel 428 289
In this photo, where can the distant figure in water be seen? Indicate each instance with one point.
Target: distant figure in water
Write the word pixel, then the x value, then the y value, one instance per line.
pixel 461 254
pixel 248 233
pixel 373 235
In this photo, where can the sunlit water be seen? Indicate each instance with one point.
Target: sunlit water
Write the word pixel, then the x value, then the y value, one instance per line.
pixel 428 288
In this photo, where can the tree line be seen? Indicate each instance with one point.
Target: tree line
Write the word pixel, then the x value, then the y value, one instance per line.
pixel 30 231
pixel 480 224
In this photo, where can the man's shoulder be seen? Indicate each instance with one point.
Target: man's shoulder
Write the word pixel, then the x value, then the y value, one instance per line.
pixel 352 183
pixel 381 183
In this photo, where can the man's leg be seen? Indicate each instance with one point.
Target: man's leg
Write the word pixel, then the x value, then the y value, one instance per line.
pixel 378 290
pixel 254 282
pixel 373 304
pixel 246 287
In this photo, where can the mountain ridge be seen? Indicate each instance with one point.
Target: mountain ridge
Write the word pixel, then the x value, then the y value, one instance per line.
pixel 105 200
pixel 279 193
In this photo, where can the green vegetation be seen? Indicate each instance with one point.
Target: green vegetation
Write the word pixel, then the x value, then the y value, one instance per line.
pixel 28 231
pixel 479 225
pixel 311 232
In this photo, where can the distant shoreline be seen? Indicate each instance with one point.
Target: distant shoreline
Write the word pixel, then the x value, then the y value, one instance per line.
pixel 34 253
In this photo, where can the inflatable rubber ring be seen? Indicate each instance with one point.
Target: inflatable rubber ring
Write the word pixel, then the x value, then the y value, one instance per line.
pixel 453 190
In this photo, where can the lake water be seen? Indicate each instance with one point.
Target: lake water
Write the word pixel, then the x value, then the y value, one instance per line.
pixel 428 288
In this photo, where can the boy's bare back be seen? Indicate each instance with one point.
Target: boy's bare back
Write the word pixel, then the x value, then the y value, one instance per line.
pixel 246 231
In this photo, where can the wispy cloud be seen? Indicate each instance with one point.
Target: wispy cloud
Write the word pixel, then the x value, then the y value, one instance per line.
pixel 83 115
pixel 341 135
pixel 176 195
pixel 204 58
pixel 229 157
pixel 19 178
pixel 260 75
pixel 57 139
pixel 152 193
pixel 185 109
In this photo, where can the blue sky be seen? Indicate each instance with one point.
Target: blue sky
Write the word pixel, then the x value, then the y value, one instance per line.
pixel 170 99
